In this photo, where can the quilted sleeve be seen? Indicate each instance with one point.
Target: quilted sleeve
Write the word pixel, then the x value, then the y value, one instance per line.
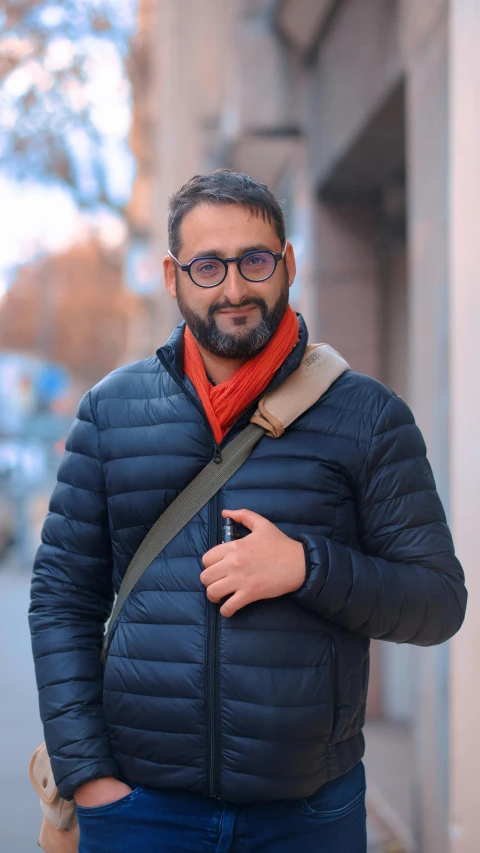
pixel 406 584
pixel 71 598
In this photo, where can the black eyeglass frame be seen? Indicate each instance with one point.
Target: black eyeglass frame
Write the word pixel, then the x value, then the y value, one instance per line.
pixel 277 256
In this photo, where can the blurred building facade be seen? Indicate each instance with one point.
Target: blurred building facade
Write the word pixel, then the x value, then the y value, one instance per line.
pixel 360 115
pixel 73 309
pixel 65 322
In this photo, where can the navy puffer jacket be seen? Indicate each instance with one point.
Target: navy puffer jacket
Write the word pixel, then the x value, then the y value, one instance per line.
pixel 270 703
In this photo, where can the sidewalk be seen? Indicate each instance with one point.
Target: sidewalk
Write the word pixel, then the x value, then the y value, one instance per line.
pixel 20 729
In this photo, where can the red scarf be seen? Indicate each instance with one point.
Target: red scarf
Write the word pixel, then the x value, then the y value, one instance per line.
pixel 225 402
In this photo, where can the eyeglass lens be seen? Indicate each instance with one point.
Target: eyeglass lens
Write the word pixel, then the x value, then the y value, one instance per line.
pixel 256 266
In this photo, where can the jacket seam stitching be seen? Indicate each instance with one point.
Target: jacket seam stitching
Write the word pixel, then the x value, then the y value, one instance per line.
pixel 114 540
pixel 362 463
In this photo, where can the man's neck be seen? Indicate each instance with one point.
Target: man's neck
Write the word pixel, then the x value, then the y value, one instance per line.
pixel 217 368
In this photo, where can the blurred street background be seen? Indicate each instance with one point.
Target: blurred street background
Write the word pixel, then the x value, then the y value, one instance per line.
pixel 363 117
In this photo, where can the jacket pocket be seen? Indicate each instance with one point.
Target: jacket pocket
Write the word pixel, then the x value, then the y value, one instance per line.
pixel 333 654
pixel 350 656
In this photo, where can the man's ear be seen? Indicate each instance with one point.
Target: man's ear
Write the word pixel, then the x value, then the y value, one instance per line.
pixel 169 277
pixel 290 263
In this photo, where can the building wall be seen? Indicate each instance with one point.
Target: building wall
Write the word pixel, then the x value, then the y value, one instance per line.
pixel 72 308
pixel 345 107
pixel 357 63
pixel 464 292
pixel 428 176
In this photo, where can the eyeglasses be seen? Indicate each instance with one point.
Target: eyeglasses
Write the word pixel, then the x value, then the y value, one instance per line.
pixel 211 271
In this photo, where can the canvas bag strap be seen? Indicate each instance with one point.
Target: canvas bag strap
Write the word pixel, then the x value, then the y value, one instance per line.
pixel 185 506
pixel 320 366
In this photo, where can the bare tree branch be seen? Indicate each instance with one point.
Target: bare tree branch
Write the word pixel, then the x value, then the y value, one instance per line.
pixel 51 122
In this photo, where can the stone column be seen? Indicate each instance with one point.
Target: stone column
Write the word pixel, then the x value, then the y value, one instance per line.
pixel 465 414
pixel 428 381
pixel 194 64
pixel 342 300
pixel 177 153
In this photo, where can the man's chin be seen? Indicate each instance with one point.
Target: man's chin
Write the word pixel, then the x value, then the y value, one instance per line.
pixel 237 332
pixel 221 337
pixel 242 343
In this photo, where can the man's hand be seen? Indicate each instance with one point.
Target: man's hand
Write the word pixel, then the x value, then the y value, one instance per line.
pixel 265 564
pixel 100 792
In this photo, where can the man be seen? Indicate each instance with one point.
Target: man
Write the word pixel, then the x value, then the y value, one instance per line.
pixel 229 714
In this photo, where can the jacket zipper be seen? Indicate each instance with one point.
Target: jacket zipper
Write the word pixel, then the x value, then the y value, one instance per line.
pixel 213 628
pixel 213 620
pixel 180 382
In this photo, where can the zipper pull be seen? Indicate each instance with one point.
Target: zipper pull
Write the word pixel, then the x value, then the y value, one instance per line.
pixel 217 455
pixel 230 531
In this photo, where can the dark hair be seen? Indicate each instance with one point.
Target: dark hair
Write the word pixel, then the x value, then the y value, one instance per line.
pixel 223 187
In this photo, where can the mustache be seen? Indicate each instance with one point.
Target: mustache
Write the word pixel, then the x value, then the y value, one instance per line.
pixel 252 300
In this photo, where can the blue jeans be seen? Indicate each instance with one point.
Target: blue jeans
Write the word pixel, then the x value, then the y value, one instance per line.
pixel 333 820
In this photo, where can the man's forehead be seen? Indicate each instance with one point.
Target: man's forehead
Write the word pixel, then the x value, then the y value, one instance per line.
pixel 227 227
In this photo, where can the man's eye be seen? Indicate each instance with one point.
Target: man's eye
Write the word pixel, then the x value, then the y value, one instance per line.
pixel 256 260
pixel 207 268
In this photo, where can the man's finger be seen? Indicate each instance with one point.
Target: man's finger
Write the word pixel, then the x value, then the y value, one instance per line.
pixel 220 589
pixel 246 517
pixel 213 556
pixel 234 603
pixel 213 573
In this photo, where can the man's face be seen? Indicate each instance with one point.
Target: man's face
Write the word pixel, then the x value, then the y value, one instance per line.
pixel 236 319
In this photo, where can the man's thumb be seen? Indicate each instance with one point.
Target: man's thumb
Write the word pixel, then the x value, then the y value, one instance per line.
pixel 244 516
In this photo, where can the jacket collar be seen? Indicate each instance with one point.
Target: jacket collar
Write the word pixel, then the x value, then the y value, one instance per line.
pixel 171 356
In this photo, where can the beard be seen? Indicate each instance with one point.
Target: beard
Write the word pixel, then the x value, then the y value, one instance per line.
pixel 243 344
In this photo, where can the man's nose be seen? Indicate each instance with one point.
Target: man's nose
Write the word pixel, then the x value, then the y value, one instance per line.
pixel 235 287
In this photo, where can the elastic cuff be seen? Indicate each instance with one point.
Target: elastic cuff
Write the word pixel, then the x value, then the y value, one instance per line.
pixel 69 784
pixel 308 559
